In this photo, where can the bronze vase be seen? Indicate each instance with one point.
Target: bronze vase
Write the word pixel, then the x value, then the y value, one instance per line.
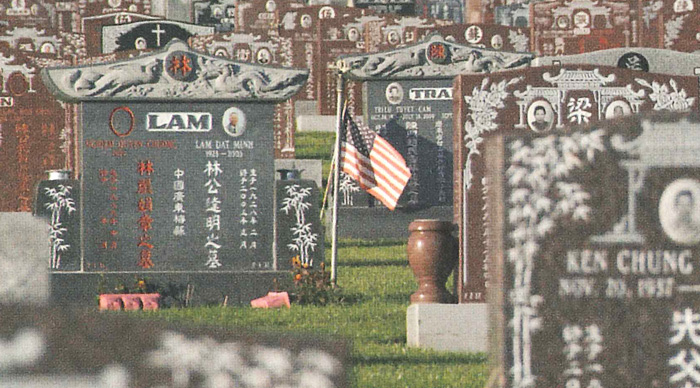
pixel 432 256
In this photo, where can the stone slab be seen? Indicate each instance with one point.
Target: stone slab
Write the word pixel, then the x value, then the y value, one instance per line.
pixel 316 123
pixel 24 255
pixel 80 289
pixel 448 327
pixel 380 222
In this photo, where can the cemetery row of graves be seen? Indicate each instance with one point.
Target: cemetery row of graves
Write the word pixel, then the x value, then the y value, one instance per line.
pixel 560 136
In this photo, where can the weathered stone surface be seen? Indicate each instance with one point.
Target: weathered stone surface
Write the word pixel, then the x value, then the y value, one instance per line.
pixel 24 250
pixel 448 327
pixel 77 349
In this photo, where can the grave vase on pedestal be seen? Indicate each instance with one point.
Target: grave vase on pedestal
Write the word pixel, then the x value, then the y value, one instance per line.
pixel 432 257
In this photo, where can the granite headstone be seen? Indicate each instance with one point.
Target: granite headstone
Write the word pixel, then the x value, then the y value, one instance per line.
pixel 593 242
pixel 539 100
pixel 580 26
pixel 55 348
pixel 177 164
pixel 408 101
pixel 33 138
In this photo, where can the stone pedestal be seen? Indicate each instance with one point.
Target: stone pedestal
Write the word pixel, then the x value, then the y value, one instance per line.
pixel 448 327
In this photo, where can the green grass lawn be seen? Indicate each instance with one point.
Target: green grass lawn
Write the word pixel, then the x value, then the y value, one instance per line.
pixel 377 281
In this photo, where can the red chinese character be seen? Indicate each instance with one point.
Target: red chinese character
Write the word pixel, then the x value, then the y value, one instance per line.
pixel 146 204
pixel 145 222
pixel 113 245
pixel 144 242
pixel 180 64
pixel 145 186
pixel 145 259
pixel 437 51
pixel 145 167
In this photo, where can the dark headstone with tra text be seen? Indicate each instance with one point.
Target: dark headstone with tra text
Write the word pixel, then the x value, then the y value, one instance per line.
pixel 408 101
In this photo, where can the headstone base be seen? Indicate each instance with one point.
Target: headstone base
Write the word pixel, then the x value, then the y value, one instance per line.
pixel 380 222
pixel 237 288
pixel 448 327
pixel 316 123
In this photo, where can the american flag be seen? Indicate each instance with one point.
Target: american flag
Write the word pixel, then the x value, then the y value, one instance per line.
pixel 372 162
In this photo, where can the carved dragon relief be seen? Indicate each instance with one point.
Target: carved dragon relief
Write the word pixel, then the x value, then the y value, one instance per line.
pixel 150 77
pixel 420 60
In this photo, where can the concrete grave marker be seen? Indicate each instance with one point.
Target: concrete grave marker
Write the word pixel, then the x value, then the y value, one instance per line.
pixel 24 250
pixel 593 243
pixel 540 100
pixel 177 173
pixel 644 59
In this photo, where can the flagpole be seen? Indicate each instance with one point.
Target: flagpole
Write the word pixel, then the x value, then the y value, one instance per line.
pixel 340 87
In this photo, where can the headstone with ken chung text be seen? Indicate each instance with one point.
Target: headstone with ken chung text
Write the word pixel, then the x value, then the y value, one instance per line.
pixel 539 100
pixel 177 170
pixel 408 101
pixel 593 244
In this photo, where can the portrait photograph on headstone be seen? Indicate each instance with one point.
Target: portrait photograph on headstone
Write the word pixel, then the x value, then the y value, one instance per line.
pixel 349 193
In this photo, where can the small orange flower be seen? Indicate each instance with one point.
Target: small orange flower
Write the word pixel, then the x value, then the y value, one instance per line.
pixel 297 276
